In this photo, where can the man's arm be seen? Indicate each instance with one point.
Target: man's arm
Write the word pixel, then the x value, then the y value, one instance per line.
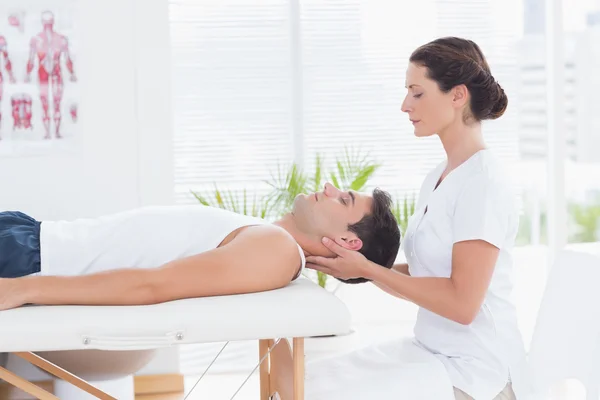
pixel 260 258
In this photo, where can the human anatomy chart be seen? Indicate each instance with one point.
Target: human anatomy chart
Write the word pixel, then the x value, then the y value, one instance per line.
pixel 39 96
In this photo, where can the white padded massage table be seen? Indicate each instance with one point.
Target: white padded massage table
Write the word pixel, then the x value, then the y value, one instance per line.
pixel 302 309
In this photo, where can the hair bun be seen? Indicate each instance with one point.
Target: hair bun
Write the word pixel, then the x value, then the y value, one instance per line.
pixel 488 100
pixel 501 103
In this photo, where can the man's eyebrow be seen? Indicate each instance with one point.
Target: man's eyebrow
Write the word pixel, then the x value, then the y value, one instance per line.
pixel 352 195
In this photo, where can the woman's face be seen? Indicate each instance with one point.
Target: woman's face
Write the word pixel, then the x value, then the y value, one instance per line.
pixel 428 108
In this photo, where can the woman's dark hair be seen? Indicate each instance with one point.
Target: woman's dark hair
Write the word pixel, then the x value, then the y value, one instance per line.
pixel 452 61
pixel 379 233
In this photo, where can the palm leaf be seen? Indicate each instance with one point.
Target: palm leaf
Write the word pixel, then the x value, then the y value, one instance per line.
pixel 342 172
pixel 230 200
pixel 218 197
pixel 403 210
pixel 201 199
pixel 321 279
pixel 334 180
pixel 318 174
pixel 362 176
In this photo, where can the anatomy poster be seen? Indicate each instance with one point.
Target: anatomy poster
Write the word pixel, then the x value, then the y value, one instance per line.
pixel 39 97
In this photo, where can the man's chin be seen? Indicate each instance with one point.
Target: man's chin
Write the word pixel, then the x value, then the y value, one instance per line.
pixel 299 199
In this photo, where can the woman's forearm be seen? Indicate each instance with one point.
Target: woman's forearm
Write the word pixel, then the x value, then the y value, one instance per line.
pixel 116 287
pixel 399 268
pixel 438 295
pixel 388 290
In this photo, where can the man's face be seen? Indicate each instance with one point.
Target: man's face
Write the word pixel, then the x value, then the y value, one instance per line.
pixel 329 212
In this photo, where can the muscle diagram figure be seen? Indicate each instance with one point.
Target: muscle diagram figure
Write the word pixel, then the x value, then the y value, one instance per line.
pixel 73 111
pixel 49 46
pixel 16 20
pixel 8 66
pixel 21 111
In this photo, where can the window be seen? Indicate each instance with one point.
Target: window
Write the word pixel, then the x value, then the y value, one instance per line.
pixel 260 84
pixel 231 92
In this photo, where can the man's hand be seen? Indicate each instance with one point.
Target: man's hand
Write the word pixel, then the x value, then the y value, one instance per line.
pixel 10 295
pixel 348 264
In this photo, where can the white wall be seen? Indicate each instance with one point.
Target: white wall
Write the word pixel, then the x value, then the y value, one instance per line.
pixel 124 157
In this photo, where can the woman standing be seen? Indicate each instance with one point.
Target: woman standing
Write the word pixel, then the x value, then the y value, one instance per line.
pixel 458 246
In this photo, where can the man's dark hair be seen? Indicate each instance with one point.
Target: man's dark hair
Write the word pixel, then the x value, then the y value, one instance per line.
pixel 379 233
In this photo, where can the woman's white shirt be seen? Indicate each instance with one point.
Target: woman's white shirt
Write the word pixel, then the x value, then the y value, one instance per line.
pixel 473 202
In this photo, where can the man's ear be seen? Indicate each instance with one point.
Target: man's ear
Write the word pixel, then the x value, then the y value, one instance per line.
pixel 350 242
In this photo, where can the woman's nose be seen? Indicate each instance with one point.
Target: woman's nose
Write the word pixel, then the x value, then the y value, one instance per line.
pixel 405 107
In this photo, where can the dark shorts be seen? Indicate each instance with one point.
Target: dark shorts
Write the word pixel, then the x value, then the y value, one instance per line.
pixel 19 244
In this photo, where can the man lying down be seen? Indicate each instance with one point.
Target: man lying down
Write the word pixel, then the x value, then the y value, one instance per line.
pixel 161 253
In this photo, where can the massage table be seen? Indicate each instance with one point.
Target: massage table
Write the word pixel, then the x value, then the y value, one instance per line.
pixel 301 309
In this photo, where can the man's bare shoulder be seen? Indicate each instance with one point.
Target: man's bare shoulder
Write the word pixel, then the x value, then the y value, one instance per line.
pixel 268 236
pixel 271 243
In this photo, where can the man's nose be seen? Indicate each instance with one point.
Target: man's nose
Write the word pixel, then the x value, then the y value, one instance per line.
pixel 329 189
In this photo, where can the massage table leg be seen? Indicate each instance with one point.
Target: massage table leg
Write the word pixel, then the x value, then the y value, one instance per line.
pixel 25 385
pixel 263 349
pixel 52 369
pixel 283 371
pixel 298 368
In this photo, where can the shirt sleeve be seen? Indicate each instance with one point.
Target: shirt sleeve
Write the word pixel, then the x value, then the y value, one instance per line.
pixel 483 211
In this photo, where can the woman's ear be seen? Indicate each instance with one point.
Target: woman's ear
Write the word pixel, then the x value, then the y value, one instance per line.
pixel 461 95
